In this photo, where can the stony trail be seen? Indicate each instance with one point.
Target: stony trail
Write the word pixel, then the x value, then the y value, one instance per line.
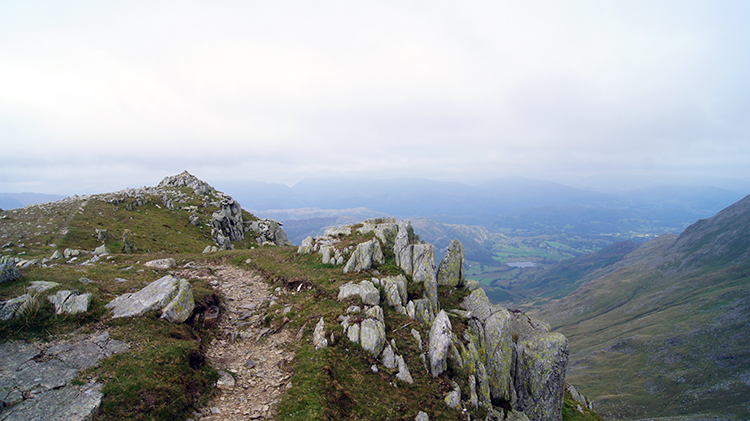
pixel 252 359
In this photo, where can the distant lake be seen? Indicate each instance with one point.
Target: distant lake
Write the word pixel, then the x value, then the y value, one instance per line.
pixel 521 264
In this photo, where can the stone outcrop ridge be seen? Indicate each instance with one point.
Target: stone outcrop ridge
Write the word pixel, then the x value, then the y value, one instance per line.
pixel 509 357
pixel 267 232
pixel 185 179
pixel 36 379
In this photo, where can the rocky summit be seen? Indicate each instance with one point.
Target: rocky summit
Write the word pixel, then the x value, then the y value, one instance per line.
pixel 173 302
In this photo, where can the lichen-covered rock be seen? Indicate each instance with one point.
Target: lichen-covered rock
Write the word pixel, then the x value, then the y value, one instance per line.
pixel 70 302
pixel 441 334
pixel 499 346
pixel 403 371
pixel 353 333
pixel 154 296
pixel 9 272
pixel 365 289
pixel 388 357
pixel 385 230
pixel 182 305
pixel 306 247
pixel 424 311
pixel 402 246
pixel 372 336
pixel 453 399
pixel 578 397
pixel 101 250
pixel 14 307
pixel 56 255
pixel 365 257
pixel 451 270
pixel 161 263
pixel 421 416
pixel 540 365
pixel 395 290
pixel 375 312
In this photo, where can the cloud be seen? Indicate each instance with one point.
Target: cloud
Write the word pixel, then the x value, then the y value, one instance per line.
pixel 288 90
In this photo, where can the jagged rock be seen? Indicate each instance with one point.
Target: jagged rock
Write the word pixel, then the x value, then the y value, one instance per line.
pixel 421 416
pixel 403 371
pixel 473 397
pixel 306 247
pixel 101 234
pixel 395 290
pixel 402 246
pixel 319 335
pixel 161 263
pixel 365 289
pixel 453 399
pixel 56 255
pixel 417 337
pixel 14 307
pixel 182 305
pixel 375 312
pixel 101 250
pixel 440 341
pixel 499 346
pixel 195 220
pixel 227 222
pixel 424 311
pixel 451 270
pixel 539 375
pixel 9 272
pixel 185 179
pixel 372 336
pixel 152 297
pixel 478 304
pixel 517 416
pixel 385 230
pixel 70 302
pixel 388 357
pixel 41 286
pixel 268 231
pixel 365 256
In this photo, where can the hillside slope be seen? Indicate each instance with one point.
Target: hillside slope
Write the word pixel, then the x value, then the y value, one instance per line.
pixel 664 331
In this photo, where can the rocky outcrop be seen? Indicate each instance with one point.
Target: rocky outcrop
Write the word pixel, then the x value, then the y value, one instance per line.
pixel 267 232
pixel 227 223
pixel 451 270
pixel 385 229
pixel 365 257
pixel 158 295
pixel 185 179
pixel 365 290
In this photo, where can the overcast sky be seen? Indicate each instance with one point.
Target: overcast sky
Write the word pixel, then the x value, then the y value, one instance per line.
pixel 97 96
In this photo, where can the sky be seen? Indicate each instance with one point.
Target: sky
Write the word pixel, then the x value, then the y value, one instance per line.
pixel 97 96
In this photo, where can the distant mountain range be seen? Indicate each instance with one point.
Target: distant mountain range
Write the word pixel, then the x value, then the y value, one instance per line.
pixel 661 329
pixel 517 203
pixel 19 200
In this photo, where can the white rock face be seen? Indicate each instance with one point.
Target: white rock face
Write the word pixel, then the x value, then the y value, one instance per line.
pixel 365 290
pixel 182 305
pixel 70 302
pixel 319 335
pixel 157 295
pixel 365 256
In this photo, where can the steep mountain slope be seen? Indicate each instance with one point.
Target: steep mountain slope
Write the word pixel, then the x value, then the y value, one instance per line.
pixel 664 331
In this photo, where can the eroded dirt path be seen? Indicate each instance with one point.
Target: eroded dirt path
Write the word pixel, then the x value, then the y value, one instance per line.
pixel 253 354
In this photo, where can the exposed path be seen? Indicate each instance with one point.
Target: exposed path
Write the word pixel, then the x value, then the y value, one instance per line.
pixel 253 354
